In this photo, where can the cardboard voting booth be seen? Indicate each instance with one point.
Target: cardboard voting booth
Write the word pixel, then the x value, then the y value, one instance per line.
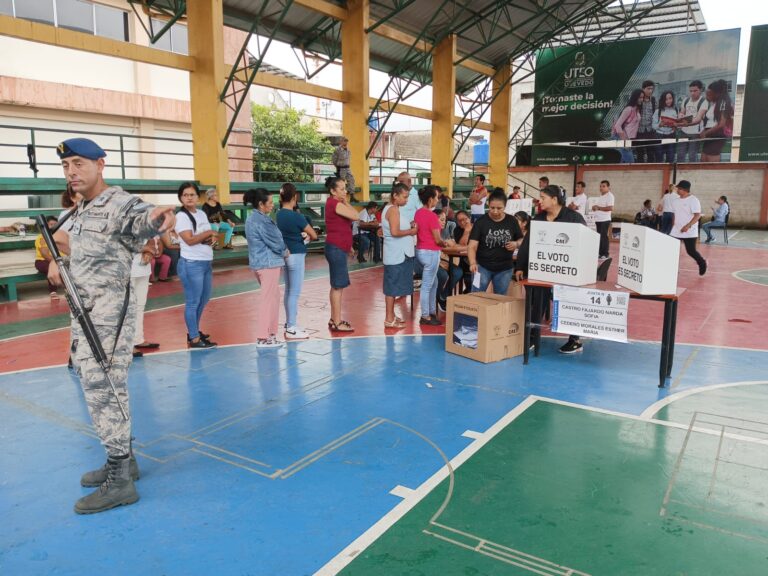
pixel 648 260
pixel 515 206
pixel 484 327
pixel 563 253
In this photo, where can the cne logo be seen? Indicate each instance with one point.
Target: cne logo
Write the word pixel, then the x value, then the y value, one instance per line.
pixel 579 75
pixel 562 238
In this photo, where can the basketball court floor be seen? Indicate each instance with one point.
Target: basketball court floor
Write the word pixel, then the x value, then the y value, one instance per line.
pixel 379 453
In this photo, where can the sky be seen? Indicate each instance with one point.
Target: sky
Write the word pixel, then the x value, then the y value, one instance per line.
pixel 718 14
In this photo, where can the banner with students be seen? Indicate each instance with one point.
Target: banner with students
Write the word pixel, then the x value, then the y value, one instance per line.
pixel 754 124
pixel 660 99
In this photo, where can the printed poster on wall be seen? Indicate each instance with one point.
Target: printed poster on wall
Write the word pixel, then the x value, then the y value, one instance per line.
pixel 754 124
pixel 660 99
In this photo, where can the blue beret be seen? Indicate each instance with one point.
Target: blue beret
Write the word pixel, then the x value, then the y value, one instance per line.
pixel 80 147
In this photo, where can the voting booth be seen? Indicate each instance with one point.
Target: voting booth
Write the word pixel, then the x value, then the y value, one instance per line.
pixel 515 206
pixel 563 253
pixel 648 260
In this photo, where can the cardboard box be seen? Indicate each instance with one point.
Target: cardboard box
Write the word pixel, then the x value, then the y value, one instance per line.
pixel 485 327
pixel 563 253
pixel 648 260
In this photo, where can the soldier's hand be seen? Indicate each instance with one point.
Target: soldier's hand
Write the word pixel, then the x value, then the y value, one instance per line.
pixel 164 215
pixel 53 273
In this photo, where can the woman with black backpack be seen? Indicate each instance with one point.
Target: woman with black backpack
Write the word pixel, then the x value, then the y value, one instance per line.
pixel 195 269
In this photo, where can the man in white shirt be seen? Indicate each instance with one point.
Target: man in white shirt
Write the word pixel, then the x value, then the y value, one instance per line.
pixel 408 212
pixel 687 210
pixel 602 209
pixel 478 198
pixel 579 201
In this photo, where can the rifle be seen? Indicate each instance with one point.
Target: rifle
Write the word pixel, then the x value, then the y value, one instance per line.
pixel 77 306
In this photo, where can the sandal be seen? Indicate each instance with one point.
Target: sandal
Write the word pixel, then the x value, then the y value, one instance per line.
pixel 342 326
pixel 396 323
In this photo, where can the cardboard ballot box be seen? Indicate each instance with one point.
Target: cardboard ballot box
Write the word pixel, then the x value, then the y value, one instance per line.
pixel 648 260
pixel 515 206
pixel 484 327
pixel 563 253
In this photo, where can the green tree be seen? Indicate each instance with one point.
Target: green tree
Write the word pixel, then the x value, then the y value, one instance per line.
pixel 285 148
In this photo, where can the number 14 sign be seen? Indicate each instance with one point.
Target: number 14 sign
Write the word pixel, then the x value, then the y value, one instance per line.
pixel 597 314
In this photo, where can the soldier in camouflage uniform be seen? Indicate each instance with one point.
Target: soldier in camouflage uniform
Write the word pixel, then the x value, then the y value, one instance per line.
pixel 340 159
pixel 108 227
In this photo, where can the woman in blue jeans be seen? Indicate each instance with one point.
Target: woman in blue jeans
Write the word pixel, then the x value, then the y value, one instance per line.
pixel 492 244
pixel 296 231
pixel 428 244
pixel 194 267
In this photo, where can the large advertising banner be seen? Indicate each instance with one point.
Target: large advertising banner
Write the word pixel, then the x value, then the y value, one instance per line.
pixel 666 99
pixel 754 124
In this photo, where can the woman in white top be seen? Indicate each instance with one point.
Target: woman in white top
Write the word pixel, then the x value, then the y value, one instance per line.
pixel 398 253
pixel 196 239
pixel 665 122
pixel 140 272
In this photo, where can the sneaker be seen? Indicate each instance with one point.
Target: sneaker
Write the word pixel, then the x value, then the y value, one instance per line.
pixel 703 268
pixel 441 304
pixel 295 333
pixel 270 342
pixel 708 240
pixel 571 347
pixel 430 321
pixel 202 343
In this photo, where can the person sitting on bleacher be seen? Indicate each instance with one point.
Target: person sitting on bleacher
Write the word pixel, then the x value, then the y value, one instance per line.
pixel 43 256
pixel 647 216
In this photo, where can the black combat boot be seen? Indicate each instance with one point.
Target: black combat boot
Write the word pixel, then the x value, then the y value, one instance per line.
pixel 117 489
pixel 97 477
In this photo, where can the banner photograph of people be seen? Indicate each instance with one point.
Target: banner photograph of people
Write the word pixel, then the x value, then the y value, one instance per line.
pixel 668 99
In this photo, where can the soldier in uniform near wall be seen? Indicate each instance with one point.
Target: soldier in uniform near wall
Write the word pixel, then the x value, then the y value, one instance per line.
pixel 109 226
pixel 340 159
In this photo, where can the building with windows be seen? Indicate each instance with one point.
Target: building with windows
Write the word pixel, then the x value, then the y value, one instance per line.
pixel 141 110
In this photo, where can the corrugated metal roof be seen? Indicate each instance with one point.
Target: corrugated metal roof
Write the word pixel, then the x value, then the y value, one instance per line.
pixel 490 31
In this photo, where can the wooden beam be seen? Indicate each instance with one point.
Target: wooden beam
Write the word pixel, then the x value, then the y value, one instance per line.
pixel 326 8
pixel 298 86
pixel 397 35
pixel 63 38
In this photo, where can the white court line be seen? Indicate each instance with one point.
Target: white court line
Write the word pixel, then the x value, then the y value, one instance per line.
pixel 472 434
pixel 654 408
pixel 402 491
pixel 348 554
pixel 343 558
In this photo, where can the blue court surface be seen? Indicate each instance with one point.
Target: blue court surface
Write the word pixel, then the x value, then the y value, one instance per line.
pixel 272 462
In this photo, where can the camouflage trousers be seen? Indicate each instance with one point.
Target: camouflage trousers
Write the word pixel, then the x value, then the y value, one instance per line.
pixel 114 431
pixel 346 175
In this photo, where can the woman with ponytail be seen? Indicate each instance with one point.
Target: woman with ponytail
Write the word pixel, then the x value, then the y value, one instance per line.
pixel 339 216
pixel 266 257
pixel 553 209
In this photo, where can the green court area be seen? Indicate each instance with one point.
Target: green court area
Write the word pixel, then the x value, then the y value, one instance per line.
pixel 564 490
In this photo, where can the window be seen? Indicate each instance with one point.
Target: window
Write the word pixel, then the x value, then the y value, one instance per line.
pixel 75 15
pixel 173 40
pixel 179 39
pixel 37 10
pixel 6 7
pixel 81 15
pixel 111 22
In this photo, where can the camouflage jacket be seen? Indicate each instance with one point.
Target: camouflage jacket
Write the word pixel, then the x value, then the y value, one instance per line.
pixel 105 234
